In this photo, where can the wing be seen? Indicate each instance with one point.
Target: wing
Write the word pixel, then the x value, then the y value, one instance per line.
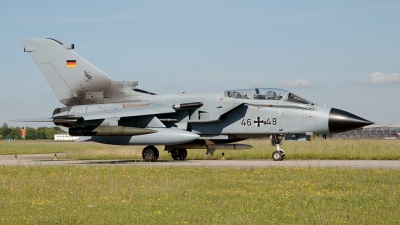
pixel 140 114
pixel 152 109
pixel 49 119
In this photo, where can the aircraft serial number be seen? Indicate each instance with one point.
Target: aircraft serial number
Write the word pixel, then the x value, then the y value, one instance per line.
pixel 258 121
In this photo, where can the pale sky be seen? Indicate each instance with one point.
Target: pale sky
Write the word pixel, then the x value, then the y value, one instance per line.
pixel 343 54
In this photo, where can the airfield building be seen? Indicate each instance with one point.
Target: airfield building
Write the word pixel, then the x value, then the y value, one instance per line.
pixel 376 131
pixel 65 137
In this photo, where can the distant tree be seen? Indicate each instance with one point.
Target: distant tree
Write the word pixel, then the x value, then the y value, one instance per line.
pixel 58 129
pixel 5 130
pixel 15 133
pixel 40 133
pixel 49 132
pixel 30 133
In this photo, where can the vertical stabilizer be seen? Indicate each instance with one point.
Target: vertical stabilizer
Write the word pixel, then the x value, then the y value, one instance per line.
pixel 69 75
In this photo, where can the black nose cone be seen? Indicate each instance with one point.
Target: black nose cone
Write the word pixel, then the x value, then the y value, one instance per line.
pixel 340 121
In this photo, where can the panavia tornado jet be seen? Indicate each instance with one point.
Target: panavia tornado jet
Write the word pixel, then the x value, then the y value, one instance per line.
pixel 103 110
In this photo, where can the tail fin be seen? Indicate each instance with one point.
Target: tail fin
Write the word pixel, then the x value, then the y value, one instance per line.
pixel 70 76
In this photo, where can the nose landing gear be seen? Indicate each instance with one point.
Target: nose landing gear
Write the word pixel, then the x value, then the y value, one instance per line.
pixel 279 154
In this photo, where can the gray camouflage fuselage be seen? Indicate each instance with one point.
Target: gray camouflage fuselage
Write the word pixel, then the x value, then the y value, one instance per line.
pixel 115 112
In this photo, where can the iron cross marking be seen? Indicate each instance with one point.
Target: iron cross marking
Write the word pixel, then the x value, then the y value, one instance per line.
pixel 258 121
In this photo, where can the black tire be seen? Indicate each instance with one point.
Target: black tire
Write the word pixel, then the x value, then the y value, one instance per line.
pixel 150 154
pixel 179 154
pixel 277 156
pixel 174 154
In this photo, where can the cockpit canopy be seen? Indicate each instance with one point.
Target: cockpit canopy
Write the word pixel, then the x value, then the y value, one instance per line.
pixel 266 94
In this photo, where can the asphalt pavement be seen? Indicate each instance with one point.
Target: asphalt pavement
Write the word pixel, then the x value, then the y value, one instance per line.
pixel 49 160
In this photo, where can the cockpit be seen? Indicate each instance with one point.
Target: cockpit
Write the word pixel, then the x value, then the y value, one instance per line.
pixel 266 94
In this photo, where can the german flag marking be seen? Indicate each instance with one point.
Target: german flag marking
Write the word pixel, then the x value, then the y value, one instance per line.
pixel 71 64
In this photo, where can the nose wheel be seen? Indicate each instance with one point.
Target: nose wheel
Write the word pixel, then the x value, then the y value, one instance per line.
pixel 279 154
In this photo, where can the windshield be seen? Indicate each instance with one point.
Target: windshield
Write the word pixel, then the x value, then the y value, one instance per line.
pixel 266 94
pixel 296 99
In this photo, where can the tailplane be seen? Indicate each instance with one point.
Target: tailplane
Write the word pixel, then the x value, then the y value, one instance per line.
pixel 74 80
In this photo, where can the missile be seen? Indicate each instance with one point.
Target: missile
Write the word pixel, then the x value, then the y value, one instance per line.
pixel 109 131
pixel 162 136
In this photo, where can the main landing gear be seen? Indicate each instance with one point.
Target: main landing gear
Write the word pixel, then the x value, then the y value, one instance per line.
pixel 279 154
pixel 178 154
pixel 150 154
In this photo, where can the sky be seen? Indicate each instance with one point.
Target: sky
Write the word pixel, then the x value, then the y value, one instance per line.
pixel 342 54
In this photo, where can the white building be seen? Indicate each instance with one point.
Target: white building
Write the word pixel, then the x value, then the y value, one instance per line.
pixel 65 137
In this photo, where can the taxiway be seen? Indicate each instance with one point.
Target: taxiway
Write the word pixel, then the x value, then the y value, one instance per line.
pixel 48 160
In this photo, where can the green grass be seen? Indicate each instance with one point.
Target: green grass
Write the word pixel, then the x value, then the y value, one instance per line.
pixel 41 147
pixel 131 195
pixel 315 149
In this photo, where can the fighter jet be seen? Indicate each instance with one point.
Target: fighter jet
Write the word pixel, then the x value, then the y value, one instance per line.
pixel 103 110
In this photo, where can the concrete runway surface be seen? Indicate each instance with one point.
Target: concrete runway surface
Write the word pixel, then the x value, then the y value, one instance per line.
pixel 48 160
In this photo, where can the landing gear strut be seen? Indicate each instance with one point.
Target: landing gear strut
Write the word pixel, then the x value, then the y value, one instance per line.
pixel 150 154
pixel 178 154
pixel 279 154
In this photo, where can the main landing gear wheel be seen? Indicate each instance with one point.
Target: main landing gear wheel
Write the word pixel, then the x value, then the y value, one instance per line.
pixel 179 154
pixel 150 154
pixel 278 155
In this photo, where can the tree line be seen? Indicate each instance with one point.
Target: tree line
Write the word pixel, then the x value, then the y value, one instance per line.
pixel 40 133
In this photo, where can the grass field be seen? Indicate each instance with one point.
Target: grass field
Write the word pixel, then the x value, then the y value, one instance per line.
pixel 130 195
pixel 139 195
pixel 315 149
